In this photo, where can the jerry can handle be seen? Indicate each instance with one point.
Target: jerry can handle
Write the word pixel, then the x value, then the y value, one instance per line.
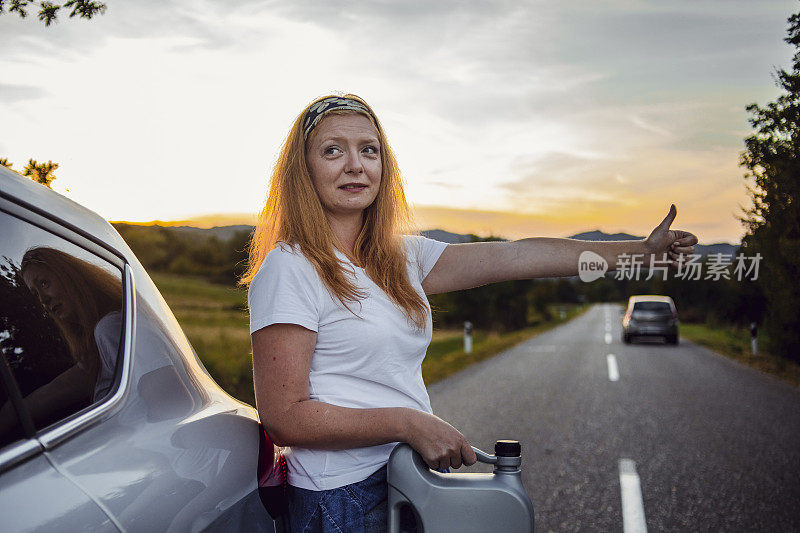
pixel 484 457
pixel 507 456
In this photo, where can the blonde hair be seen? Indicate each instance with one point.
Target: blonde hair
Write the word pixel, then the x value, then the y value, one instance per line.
pixel 97 291
pixel 294 214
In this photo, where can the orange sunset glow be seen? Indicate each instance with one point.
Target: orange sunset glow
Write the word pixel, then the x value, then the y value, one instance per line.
pixel 502 121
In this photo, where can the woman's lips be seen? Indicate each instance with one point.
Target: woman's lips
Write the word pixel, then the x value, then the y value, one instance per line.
pixel 353 188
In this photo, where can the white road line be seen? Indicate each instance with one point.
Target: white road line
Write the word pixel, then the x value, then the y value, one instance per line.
pixel 608 338
pixel 633 520
pixel 613 370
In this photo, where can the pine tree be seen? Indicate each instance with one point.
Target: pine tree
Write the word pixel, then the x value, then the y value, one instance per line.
pixel 40 172
pixel 772 158
pixel 48 11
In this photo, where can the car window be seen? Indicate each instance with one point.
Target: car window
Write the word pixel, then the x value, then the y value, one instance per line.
pixel 60 323
pixel 662 307
pixel 12 428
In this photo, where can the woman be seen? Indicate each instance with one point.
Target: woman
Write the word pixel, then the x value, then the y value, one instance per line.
pixel 339 319
pixel 85 302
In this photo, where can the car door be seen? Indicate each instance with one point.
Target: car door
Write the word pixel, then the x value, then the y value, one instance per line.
pixel 153 442
pixel 35 496
pixel 34 493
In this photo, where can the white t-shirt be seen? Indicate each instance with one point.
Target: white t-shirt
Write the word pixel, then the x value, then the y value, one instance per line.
pixel 106 335
pixel 365 361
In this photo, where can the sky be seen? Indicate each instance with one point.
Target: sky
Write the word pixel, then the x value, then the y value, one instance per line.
pixel 513 118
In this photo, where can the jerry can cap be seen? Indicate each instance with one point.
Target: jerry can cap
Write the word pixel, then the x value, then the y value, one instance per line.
pixel 507 448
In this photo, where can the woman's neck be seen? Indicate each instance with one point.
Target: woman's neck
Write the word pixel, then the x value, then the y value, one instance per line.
pixel 346 230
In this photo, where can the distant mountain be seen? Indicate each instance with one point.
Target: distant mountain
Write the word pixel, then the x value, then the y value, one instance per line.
pixel 224 233
pixel 717 248
pixel 446 236
pixel 701 249
pixel 596 235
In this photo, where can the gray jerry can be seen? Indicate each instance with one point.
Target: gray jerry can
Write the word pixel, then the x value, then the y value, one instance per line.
pixel 460 502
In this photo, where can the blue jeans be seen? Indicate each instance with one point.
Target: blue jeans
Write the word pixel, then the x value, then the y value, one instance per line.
pixel 358 507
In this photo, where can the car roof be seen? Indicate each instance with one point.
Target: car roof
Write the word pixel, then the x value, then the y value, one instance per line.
pixel 50 204
pixel 650 298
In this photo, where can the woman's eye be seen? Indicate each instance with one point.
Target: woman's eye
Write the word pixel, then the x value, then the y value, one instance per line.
pixel 331 150
pixel 371 149
pixel 45 284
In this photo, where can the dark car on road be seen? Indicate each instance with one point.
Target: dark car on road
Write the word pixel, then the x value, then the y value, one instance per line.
pixel 108 420
pixel 650 315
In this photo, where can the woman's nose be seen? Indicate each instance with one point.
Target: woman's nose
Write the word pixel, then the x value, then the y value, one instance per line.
pixel 353 164
pixel 44 297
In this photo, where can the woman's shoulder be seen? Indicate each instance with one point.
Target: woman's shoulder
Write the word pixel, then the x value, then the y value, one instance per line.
pixel 285 257
pixel 420 246
pixel 285 254
pixel 412 243
pixel 415 239
pixel 106 337
pixel 109 324
pixel 423 252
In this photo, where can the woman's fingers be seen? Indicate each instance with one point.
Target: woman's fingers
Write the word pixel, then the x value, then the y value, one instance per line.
pixel 684 238
pixel 468 454
pixel 454 456
pixel 440 444
pixel 682 249
pixel 433 464
pixel 455 460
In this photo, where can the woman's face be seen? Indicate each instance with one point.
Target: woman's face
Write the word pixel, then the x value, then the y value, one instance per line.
pixel 50 291
pixel 343 156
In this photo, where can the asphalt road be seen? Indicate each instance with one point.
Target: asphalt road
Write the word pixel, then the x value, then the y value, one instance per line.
pixel 716 445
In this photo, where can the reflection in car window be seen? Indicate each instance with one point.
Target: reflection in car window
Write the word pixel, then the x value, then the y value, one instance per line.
pixel 60 322
pixel 13 431
pixel 652 306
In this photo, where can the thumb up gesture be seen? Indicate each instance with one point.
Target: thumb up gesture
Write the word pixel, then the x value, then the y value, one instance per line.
pixel 673 242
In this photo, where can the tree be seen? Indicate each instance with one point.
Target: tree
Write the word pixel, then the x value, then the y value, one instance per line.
pixel 40 172
pixel 48 11
pixel 772 158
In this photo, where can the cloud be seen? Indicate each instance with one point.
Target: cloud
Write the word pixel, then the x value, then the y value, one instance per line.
pixel 545 107
pixel 11 93
pixel 69 39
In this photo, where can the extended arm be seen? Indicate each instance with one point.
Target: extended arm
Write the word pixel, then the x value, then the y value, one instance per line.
pixel 281 362
pixel 463 266
pixel 70 389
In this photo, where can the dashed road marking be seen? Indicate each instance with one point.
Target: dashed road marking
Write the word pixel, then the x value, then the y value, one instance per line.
pixel 633 520
pixel 608 338
pixel 613 370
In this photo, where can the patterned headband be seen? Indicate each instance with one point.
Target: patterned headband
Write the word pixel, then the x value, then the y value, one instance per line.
pixel 316 111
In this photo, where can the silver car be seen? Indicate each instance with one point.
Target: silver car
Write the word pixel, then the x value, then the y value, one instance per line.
pixel 650 315
pixel 108 421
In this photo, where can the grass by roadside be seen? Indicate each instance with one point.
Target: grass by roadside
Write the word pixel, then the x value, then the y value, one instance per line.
pixel 735 343
pixel 215 319
pixel 446 354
